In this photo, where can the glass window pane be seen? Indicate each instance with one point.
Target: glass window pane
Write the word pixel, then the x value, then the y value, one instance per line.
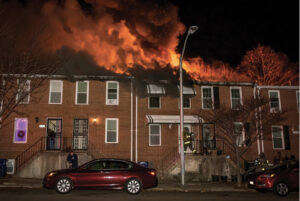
pixel 112 85
pixel 111 125
pixel 112 96
pixel 154 129
pixel 154 101
pixel 235 93
pixel 81 98
pixel 111 136
pixel 274 95
pixel 55 97
pixel 207 92
pixel 155 140
pixel 82 87
pixel 55 86
pixel 277 143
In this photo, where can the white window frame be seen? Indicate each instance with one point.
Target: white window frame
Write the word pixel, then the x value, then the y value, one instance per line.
pixel 282 137
pixel 61 91
pixel 273 110
pixel 243 133
pixel 149 102
pixel 297 100
pixel 117 130
pixel 156 145
pixel 87 93
pixel 231 99
pixel 17 97
pixel 212 97
pixel 110 101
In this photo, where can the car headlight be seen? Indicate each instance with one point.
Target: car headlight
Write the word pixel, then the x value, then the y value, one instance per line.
pixel 267 175
pixel 51 174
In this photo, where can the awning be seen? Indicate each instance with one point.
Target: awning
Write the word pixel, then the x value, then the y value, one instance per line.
pixel 188 90
pixel 155 89
pixel 173 119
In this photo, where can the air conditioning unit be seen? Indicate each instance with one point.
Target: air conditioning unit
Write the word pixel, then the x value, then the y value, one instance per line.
pixel 112 101
pixel 10 166
pixel 275 110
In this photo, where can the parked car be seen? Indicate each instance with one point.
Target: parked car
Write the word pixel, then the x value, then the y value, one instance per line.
pixel 281 179
pixel 103 173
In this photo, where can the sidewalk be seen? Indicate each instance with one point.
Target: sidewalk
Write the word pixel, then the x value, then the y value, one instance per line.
pixel 168 187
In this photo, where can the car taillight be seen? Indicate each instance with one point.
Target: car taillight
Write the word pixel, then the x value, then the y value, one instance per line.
pixel 152 172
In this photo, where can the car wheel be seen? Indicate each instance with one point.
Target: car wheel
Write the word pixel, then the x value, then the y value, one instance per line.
pixel 133 186
pixel 63 185
pixel 281 189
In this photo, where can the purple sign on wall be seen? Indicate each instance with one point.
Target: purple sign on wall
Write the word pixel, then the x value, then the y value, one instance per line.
pixel 20 134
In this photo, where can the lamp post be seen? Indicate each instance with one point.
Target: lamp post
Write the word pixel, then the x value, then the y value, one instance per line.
pixel 192 29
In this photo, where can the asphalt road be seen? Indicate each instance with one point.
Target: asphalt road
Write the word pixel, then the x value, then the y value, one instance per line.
pixel 19 194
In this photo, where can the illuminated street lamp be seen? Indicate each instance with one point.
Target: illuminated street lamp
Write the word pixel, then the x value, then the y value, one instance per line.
pixel 192 29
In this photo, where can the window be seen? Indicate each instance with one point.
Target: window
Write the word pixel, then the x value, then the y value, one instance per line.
pixel 277 137
pixel 154 135
pixel 236 97
pixel 80 134
pixel 111 130
pixel 207 98
pixel 186 101
pixel 154 101
pixel 82 89
pixel 20 131
pixel 298 97
pixel 274 101
pixel 23 92
pixel 55 94
pixel 112 93
pixel 238 131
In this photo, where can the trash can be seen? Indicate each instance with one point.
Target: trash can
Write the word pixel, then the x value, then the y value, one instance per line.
pixel 144 163
pixel 3 167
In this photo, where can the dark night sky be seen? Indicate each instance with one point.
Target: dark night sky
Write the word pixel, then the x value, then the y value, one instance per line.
pixel 228 28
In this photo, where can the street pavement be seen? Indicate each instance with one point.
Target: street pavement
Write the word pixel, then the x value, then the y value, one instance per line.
pixel 162 186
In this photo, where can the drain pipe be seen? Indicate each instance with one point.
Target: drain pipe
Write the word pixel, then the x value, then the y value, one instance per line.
pixel 136 126
pixel 256 123
pixel 131 120
pixel 260 126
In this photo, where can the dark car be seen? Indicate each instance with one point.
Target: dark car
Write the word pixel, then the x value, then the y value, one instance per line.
pixel 281 179
pixel 103 173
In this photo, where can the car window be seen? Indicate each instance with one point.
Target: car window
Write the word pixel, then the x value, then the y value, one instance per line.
pixel 118 165
pixel 97 165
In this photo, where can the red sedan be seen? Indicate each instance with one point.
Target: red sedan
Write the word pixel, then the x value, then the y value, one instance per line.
pixel 281 179
pixel 103 173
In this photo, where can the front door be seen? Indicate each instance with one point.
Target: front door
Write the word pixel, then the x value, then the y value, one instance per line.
pixel 54 130
pixel 188 138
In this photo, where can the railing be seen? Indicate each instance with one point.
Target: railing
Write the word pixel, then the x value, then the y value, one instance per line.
pixel 30 152
pixel 208 146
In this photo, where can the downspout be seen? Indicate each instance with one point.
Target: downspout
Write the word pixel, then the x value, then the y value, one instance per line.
pixel 256 123
pixel 136 127
pixel 261 129
pixel 131 120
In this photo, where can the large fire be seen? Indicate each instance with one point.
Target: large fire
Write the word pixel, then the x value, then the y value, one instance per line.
pixel 119 34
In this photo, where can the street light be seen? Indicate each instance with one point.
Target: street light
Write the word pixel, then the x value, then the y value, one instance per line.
pixel 192 29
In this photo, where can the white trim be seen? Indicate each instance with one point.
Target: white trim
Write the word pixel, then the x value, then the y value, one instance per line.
pixel 156 145
pixel 117 130
pixel 277 87
pixel 212 97
pixel 241 96
pixel 14 139
pixel 159 97
pixel 112 101
pixel 87 93
pixel 273 110
pixel 282 137
pixel 61 91
pixel 173 119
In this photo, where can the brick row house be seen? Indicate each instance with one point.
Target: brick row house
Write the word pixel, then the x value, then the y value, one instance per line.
pixel 122 118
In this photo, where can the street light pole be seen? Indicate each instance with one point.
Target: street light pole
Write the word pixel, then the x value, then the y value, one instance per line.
pixel 192 29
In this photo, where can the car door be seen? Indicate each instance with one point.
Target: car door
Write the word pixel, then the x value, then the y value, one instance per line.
pixel 90 175
pixel 115 173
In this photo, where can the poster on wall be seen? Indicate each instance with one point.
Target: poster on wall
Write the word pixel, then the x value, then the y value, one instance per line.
pixel 20 132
